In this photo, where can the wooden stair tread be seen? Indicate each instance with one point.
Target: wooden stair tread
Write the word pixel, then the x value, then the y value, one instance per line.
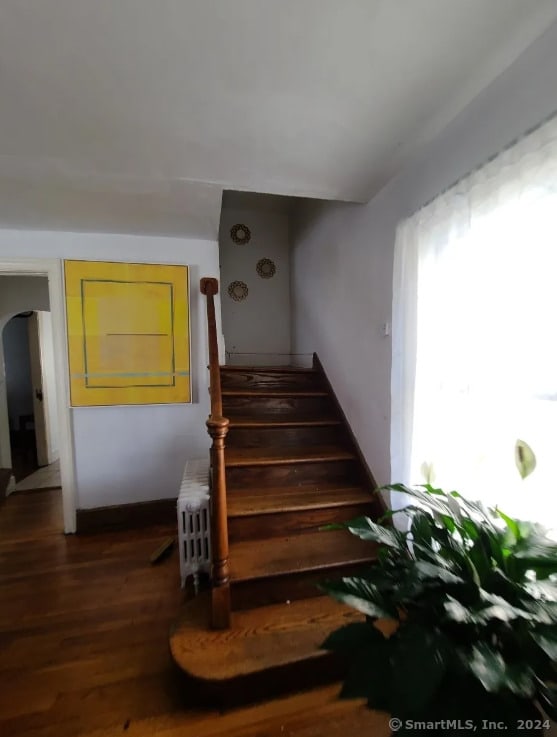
pixel 274 393
pixel 271 369
pixel 246 502
pixel 260 639
pixel 266 456
pixel 279 421
pixel 257 559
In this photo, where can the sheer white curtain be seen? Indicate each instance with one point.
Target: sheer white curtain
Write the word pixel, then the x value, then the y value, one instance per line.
pixel 475 332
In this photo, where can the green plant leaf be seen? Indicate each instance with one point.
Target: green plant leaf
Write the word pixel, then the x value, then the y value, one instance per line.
pixel 435 491
pixel 421 528
pixel 480 559
pixel 454 506
pixel 541 612
pixel 524 458
pixel 514 593
pixel 546 638
pixel 420 657
pixel 545 590
pixel 457 612
pixel 489 667
pixel 499 608
pixel 520 679
pixel 428 570
pixel 547 696
pixel 426 496
pixel 533 551
pixel 469 528
pixel 361 595
pixel 476 508
pixel 474 572
pixel 512 525
pixel 496 543
pixel 366 529
pixel 489 607
pixel 448 522
pixel 487 591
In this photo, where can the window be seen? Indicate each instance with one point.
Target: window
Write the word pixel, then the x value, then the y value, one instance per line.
pixel 475 333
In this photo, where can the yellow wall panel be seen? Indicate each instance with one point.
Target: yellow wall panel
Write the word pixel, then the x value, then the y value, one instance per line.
pixel 128 333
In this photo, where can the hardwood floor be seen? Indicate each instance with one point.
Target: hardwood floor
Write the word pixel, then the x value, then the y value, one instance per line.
pixel 84 625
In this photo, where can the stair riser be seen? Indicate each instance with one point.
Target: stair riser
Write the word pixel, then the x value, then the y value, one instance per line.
pixel 344 472
pixel 284 407
pixel 269 683
pixel 260 592
pixel 254 380
pixel 264 526
pixel 292 437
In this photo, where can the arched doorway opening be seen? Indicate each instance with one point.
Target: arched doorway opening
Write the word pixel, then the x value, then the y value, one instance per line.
pixel 31 402
pixel 36 285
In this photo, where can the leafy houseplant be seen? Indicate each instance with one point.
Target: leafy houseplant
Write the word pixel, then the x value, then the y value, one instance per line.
pixel 474 600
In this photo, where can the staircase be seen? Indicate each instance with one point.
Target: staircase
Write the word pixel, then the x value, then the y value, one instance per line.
pixel 291 467
pixel 284 464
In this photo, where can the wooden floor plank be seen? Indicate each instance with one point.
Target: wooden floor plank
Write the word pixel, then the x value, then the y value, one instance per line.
pixel 84 642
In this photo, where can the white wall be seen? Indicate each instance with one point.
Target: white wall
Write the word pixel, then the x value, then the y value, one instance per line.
pixel 17 294
pixel 343 254
pixel 23 293
pixel 136 453
pixel 259 326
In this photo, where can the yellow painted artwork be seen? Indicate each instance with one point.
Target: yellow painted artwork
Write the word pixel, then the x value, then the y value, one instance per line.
pixel 128 333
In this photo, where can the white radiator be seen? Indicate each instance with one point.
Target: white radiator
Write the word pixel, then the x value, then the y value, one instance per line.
pixel 194 522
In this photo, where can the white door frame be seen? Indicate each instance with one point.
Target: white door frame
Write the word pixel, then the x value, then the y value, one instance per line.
pixel 53 269
pixel 37 374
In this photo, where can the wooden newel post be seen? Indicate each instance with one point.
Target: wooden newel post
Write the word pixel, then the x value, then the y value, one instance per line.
pixel 218 428
pixel 217 425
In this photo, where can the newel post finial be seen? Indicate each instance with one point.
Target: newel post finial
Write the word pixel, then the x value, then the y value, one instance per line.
pixel 209 285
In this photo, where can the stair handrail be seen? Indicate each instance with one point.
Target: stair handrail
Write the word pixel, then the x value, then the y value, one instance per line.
pixel 217 426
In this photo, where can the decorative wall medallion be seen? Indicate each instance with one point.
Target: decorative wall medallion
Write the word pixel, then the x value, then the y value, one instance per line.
pixel 240 234
pixel 238 290
pixel 266 268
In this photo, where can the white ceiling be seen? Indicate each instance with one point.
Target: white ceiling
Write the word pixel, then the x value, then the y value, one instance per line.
pixel 135 114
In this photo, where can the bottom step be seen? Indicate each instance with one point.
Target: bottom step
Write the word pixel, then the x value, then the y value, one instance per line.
pixel 272 646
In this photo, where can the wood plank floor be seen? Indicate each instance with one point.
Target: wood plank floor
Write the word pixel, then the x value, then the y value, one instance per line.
pixel 84 625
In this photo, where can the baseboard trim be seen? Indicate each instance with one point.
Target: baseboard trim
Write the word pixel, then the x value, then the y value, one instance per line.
pixel 126 516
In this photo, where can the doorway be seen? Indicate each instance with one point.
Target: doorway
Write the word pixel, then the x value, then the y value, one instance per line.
pixel 38 423
pixel 29 373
